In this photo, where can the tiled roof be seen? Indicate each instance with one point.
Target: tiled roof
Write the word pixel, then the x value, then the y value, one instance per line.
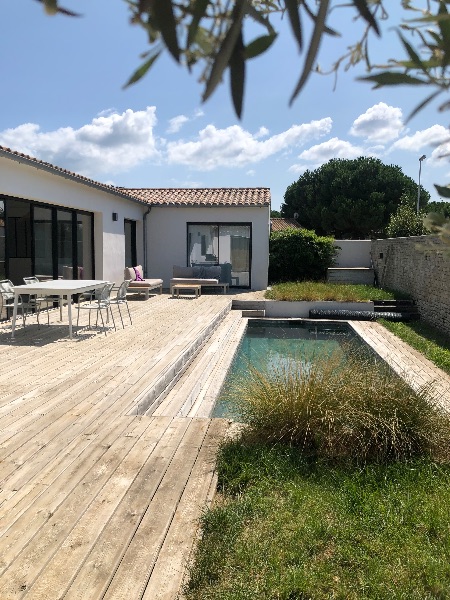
pixel 202 196
pixel 158 196
pixel 279 224
pixel 40 164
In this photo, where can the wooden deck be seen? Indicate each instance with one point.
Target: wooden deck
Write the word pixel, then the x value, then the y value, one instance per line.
pixel 102 478
pixel 95 500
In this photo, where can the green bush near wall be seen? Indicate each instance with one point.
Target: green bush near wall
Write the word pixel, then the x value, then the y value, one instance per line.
pixel 298 255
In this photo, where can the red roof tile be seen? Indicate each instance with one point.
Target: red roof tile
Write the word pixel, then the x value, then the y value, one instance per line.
pixel 279 224
pixel 202 196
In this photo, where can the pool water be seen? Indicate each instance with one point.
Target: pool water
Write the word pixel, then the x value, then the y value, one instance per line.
pixel 278 344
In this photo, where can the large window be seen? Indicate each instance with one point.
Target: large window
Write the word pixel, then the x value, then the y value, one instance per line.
pixel 46 241
pixel 224 244
pixel 2 241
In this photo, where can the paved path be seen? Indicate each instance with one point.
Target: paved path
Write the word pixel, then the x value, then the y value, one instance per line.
pixel 406 361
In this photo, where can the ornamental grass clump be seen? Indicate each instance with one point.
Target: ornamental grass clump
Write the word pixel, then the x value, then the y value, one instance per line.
pixel 342 407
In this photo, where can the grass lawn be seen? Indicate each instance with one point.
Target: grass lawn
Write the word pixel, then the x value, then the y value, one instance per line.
pixel 319 291
pixel 297 517
pixel 428 340
pixel 286 528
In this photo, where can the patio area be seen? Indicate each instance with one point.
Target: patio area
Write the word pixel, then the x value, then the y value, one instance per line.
pixel 97 501
pixel 102 478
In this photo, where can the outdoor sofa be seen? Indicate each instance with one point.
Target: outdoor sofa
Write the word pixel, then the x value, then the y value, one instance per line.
pixel 206 276
pixel 140 285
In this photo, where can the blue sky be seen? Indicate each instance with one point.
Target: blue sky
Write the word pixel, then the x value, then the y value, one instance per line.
pixel 62 101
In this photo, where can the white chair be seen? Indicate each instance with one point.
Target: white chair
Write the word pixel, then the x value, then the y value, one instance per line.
pixel 23 302
pixel 121 298
pixel 41 299
pixel 99 301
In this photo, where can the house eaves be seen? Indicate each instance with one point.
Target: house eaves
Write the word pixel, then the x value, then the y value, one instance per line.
pixel 60 172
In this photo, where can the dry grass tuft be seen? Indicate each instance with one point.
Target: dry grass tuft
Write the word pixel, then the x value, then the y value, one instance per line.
pixel 343 408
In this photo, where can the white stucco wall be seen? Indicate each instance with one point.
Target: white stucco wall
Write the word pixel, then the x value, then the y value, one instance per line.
pixel 167 237
pixel 24 181
pixel 353 253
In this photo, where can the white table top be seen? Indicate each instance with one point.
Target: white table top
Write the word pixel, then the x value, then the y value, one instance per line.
pixel 60 286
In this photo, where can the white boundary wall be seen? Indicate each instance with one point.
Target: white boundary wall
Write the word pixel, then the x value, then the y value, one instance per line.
pixel 353 253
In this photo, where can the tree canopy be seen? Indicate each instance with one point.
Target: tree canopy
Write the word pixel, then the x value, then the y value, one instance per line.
pixel 351 199
pixel 439 207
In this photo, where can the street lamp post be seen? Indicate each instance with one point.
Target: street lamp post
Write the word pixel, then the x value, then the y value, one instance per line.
pixel 423 157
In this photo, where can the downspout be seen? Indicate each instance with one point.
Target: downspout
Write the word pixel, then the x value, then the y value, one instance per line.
pixel 145 239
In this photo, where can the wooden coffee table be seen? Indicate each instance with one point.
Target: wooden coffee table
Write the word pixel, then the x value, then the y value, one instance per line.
pixel 178 287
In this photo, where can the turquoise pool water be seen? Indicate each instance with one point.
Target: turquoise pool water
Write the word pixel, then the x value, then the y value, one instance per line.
pixel 277 344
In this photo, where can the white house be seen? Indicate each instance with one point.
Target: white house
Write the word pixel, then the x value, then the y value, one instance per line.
pixel 60 224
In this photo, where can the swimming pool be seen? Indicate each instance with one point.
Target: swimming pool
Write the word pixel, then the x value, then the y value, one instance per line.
pixel 278 344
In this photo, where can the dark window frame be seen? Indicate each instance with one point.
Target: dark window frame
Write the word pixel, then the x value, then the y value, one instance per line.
pixel 54 208
pixel 218 224
pixel 132 223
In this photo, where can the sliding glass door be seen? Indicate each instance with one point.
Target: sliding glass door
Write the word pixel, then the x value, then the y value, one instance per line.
pixel 47 241
pixel 2 241
pixel 43 243
pixel 224 244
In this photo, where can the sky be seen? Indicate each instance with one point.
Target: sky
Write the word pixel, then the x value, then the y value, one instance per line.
pixel 63 101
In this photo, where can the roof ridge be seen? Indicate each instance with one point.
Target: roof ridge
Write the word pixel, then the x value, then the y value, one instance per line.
pixel 61 171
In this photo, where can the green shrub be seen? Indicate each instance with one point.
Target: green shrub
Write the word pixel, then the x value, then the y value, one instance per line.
pixel 405 222
pixel 299 254
pixel 342 407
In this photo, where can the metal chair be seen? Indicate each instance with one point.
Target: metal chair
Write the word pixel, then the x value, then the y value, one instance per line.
pixel 99 300
pixel 23 302
pixel 121 298
pixel 41 299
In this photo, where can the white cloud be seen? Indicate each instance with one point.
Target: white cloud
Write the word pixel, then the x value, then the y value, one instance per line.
pixel 111 143
pixel 380 123
pixel 436 136
pixel 236 147
pixel 333 148
pixel 176 123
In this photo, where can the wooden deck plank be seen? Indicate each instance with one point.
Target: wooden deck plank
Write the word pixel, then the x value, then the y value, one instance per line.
pixel 170 567
pixel 25 563
pixel 70 556
pixel 138 562
pixel 96 573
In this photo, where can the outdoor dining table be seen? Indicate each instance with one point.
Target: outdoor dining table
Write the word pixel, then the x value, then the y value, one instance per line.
pixel 56 287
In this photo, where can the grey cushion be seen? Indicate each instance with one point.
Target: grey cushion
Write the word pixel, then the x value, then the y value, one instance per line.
pixel 206 272
pixel 182 271
pixel 198 271
pixel 129 273
pixel 213 272
pixel 200 280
